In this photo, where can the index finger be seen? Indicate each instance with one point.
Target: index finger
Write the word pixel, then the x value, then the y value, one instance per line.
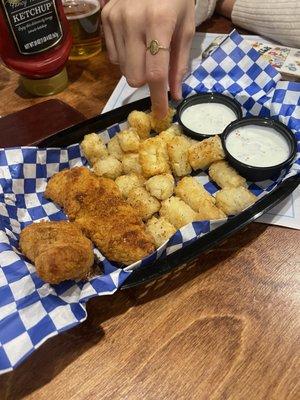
pixel 157 72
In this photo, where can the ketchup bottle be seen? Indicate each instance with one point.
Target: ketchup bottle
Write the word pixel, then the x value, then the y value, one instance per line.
pixel 35 41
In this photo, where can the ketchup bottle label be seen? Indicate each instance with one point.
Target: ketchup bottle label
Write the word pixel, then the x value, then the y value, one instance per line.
pixel 34 24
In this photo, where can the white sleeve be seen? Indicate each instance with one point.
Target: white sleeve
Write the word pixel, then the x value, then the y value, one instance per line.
pixel 278 20
pixel 204 10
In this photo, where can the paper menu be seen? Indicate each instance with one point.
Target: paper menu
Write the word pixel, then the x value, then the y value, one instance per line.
pixel 285 214
pixel 285 59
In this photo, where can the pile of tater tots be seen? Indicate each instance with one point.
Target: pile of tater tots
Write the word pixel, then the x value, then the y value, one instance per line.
pixel 151 162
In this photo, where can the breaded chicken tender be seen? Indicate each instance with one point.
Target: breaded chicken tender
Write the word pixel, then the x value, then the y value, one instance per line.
pixel 177 212
pixel 97 206
pixel 59 250
pixel 170 133
pixel 161 186
pixel 66 185
pixel 160 229
pixel 209 211
pixel 234 200
pixel 141 122
pixel 145 204
pixel 114 148
pixel 128 182
pixel 225 176
pixel 193 193
pixel 108 167
pixel 154 157
pixel 129 140
pixel 93 148
pixel 159 125
pixel 203 154
pixel 131 164
pixel 178 155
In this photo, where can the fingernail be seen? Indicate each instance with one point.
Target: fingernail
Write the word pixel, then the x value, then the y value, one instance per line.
pixel 179 93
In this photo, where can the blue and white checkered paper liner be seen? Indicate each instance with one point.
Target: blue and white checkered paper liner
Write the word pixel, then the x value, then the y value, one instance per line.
pixel 32 311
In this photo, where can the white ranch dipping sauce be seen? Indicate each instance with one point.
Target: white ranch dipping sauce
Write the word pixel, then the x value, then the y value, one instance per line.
pixel 207 118
pixel 258 146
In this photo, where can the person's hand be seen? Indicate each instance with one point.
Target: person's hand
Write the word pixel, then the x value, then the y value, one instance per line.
pixel 225 7
pixel 130 25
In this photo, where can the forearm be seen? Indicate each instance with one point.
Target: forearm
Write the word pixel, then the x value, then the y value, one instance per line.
pixel 225 7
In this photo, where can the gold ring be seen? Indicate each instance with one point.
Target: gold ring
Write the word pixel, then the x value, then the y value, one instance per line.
pixel 154 47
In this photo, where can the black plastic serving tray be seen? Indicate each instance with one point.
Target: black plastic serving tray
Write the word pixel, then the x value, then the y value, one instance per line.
pixel 158 268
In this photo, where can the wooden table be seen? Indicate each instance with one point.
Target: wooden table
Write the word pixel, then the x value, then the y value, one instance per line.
pixel 225 327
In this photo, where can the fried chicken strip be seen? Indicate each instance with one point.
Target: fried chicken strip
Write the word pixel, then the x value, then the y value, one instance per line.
pixel 97 206
pixel 59 250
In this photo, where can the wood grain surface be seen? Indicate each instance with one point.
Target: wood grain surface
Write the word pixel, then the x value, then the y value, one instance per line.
pixel 225 327
pixel 90 84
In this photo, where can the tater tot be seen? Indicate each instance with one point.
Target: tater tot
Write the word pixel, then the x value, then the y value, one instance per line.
pixel 208 211
pixel 159 125
pixel 161 186
pixel 114 148
pixel 141 122
pixel 170 133
pixel 160 229
pixel 225 176
pixel 154 157
pixel 178 155
pixel 175 129
pixel 203 154
pixel 108 167
pixel 177 212
pixel 234 200
pixel 129 140
pixel 145 204
pixel 131 163
pixel 128 182
pixel 193 193
pixel 93 148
